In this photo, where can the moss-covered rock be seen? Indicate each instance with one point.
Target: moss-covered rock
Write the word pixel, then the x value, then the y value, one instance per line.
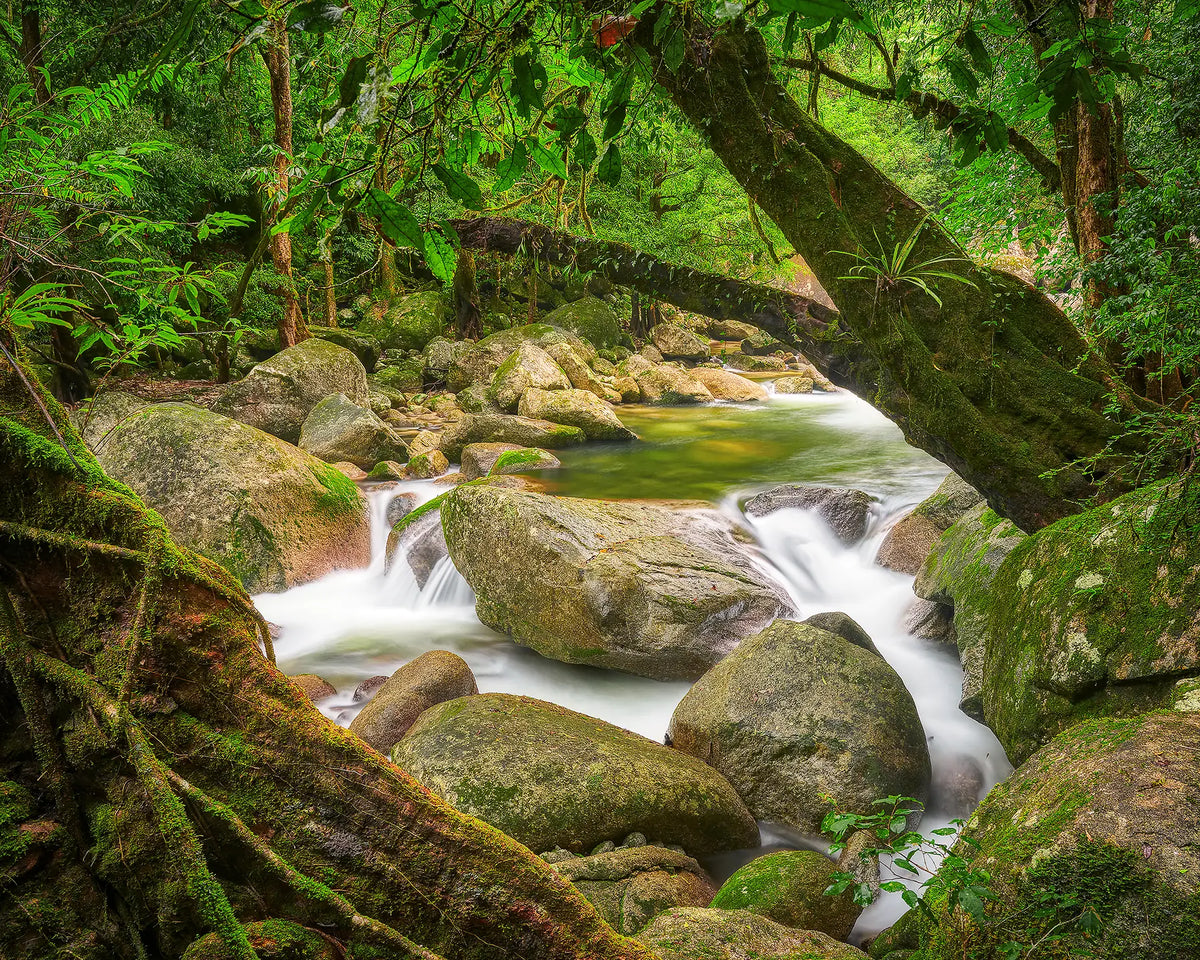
pixel 440 354
pixel 911 539
pixel 1104 818
pixel 409 322
pixel 402 376
pixel 338 431
pixel 426 466
pixel 730 330
pixel 845 509
pixel 365 347
pixel 480 363
pixel 629 886
pixel 592 320
pixel 270 513
pixel 636 586
pixel 676 342
pixel 433 677
pixel 478 459
pixel 529 366
pixel 1095 615
pixel 96 418
pixel 575 408
pixel 691 933
pixel 662 383
pixel 796 717
pixel 789 887
pixel 506 428
pixel 760 344
pixel 786 386
pixel 743 361
pixel 278 394
pixel 550 777
pixel 584 377
pixel 417 541
pixel 959 573
pixel 271 940
pixel 725 385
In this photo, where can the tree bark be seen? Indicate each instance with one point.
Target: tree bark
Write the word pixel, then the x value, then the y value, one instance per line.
pixel 31 49
pixel 464 296
pixel 163 784
pixel 996 382
pixel 277 56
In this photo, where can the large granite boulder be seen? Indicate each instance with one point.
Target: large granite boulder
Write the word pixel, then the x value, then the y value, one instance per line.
pixel 365 347
pixel 478 459
pixel 729 330
pixel 278 394
pixel 662 383
pixel 751 364
pixel 592 320
pixel 1096 615
pixel 440 355
pixel 338 431
pixel 694 933
pixel 908 543
pixel 583 376
pixel 550 777
pixel 480 363
pixel 675 342
pixel 96 418
pixel 846 510
pixel 575 408
pixel 726 385
pixel 271 514
pixel 797 717
pixel 527 367
pixel 409 322
pixel 644 587
pixel 506 428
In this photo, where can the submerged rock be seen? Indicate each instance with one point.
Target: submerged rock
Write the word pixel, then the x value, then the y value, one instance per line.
pixel 506 428
pixel 271 514
pixel 575 408
pixel 637 586
pixel 337 430
pixel 278 394
pixel 844 509
pixel 433 677
pixel 689 933
pixel 724 385
pixel 550 777
pixel 796 717
pixel 908 543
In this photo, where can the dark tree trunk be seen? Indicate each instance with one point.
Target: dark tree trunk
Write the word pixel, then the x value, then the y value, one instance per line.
pixel 32 57
pixel 464 295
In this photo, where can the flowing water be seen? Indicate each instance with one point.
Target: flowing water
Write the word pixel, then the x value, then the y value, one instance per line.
pixel 355 624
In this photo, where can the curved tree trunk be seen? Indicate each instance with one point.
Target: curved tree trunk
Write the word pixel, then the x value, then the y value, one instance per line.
pixel 996 382
pixel 161 783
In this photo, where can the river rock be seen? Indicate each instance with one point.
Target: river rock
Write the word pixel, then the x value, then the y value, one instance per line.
pixel 791 385
pixel 582 376
pixel 440 354
pixel 844 626
pixel 406 375
pixel 797 716
pixel 630 886
pixel 663 383
pixel 506 428
pixel 675 342
pixel 820 381
pixel 478 459
pixel 550 777
pixel 789 888
pixel 337 430
pixel 575 408
pixel 278 394
pixel 1095 615
pixel 399 507
pixel 362 345
pixel 724 385
pixel 480 363
pixel 426 466
pixel 908 543
pixel 433 677
pixel 421 544
pixel 592 320
pixel 409 322
pixel 527 366
pixel 368 688
pixel 314 687
pixel 691 933
pixel 958 574
pixel 742 361
pixel 1104 817
pixel 271 514
pixel 729 330
pixel 760 344
pixel 97 418
pixel 636 586
pixel 844 509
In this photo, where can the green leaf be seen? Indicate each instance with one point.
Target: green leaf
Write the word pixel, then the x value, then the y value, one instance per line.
pixel 461 187
pixel 395 219
pixel 614 121
pixel 995 133
pixel 609 170
pixel 528 82
pixel 585 150
pixel 961 75
pixel 905 83
pixel 549 160
pixel 969 900
pixel 511 167
pixel 567 121
pixel 977 51
pixel 816 13
pixel 665 19
pixel 439 256
pixel 317 16
pixel 352 80
pixel 675 49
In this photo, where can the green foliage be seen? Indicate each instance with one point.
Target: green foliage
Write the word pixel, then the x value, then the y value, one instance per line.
pixel 892 269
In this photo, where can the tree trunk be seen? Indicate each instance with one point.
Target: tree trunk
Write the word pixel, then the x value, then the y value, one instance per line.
pixel 996 382
pixel 31 48
pixel 278 59
pixel 162 784
pixel 464 296
pixel 328 296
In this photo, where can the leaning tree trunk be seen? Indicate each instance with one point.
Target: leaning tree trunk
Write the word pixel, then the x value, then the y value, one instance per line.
pixel 996 382
pixel 162 784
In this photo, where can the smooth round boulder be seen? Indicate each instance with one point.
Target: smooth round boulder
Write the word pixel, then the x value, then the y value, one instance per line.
pixel 662 383
pixel 592 320
pixel 278 394
pixel 526 367
pixel 409 322
pixel 760 344
pixel 654 589
pixel 728 386
pixel 340 431
pixel 365 347
pixel 846 510
pixel 478 365
pixel 551 777
pixel 786 386
pixel 730 330
pixel 789 888
pixel 575 408
pixel 750 364
pixel 506 428
pixel 584 377
pixel 797 717
pixel 692 933
pixel 314 687
pixel 478 459
pixel 271 514
pixel 96 418
pixel 426 466
pixel 675 342
pixel 911 539
pixel 433 677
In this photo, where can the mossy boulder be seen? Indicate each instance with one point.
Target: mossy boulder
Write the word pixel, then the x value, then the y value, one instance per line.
pixel 440 354
pixel 575 408
pixel 797 716
pixel 729 330
pixel 786 386
pixel 401 376
pixel 909 542
pixel 630 886
pixel 96 418
pixel 592 320
pixel 550 777
pixel 338 431
pixel 480 363
pixel 409 322
pixel 365 347
pixel 845 509
pixel 433 677
pixel 529 366
pixel 645 587
pixel 696 933
pixel 743 361
pixel 585 377
pixel 677 342
pixel 760 344
pixel 417 541
pixel 271 514
pixel 725 385
pixel 505 428
pixel 1104 818
pixel 426 466
pixel 278 394
pixel 789 887
pixel 662 383
pixel 478 459
pixel 1095 615
pixel 958 573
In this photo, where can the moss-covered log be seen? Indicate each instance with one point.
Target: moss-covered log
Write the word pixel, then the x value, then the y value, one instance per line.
pixel 163 785
pixel 993 379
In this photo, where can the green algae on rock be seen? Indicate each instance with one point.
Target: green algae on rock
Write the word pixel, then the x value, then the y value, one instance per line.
pixel 575 408
pixel 409 322
pixel 340 431
pixel 592 320
pixel 692 933
pixel 550 777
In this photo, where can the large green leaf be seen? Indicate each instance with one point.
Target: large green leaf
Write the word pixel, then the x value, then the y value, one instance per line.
pixel 609 170
pixel 549 160
pixel 511 167
pixel 440 256
pixel 317 16
pixel 461 187
pixel 395 219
